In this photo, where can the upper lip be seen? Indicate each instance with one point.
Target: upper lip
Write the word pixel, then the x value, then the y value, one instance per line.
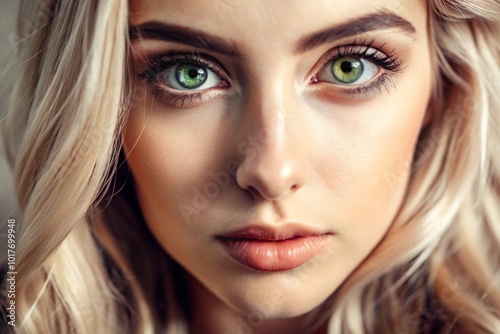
pixel 272 233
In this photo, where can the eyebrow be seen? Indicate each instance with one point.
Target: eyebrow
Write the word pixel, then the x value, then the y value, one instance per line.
pixel 162 31
pixel 376 21
pixel 167 32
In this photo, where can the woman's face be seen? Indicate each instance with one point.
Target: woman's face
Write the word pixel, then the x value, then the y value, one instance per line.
pixel 270 141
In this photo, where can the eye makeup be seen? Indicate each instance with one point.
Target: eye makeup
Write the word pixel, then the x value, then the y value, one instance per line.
pixel 388 65
pixel 152 76
pixel 344 57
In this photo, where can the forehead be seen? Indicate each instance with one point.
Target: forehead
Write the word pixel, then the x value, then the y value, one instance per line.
pixel 271 21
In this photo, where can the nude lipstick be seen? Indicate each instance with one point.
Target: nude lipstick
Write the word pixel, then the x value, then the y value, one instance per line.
pixel 265 249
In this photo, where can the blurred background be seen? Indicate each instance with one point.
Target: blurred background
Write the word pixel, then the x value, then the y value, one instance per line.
pixel 8 13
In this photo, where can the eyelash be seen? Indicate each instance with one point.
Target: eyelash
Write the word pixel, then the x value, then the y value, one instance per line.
pixel 389 62
pixel 172 58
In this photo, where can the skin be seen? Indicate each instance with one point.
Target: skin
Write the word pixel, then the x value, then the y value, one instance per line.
pixel 331 161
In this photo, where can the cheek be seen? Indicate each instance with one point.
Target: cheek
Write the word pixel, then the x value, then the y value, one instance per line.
pixel 368 158
pixel 171 156
pixel 159 153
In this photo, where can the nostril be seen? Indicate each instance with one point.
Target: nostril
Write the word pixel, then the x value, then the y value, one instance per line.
pixel 254 192
pixel 257 193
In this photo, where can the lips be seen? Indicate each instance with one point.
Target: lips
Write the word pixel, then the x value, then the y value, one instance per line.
pixel 266 249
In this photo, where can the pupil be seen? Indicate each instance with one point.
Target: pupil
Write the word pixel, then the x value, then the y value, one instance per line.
pixel 346 67
pixel 193 73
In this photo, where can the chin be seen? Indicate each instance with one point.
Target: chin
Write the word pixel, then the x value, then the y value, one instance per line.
pixel 276 302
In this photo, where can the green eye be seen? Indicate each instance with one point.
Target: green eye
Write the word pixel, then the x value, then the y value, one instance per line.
pixel 347 69
pixel 190 76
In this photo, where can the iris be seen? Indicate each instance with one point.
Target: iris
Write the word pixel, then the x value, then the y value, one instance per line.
pixel 190 76
pixel 347 69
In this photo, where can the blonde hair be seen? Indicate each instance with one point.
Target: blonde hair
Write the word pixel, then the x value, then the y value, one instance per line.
pixel 82 260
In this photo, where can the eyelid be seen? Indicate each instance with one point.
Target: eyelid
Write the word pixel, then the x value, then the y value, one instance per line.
pixel 160 62
pixel 389 62
pixel 360 49
pixel 172 96
pixel 369 68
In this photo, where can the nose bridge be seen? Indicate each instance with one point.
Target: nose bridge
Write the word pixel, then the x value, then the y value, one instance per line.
pixel 274 153
pixel 272 104
pixel 268 116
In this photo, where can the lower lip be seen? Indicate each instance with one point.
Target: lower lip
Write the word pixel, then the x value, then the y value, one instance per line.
pixel 265 255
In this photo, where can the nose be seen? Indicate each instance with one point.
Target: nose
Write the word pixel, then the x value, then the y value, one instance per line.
pixel 274 147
